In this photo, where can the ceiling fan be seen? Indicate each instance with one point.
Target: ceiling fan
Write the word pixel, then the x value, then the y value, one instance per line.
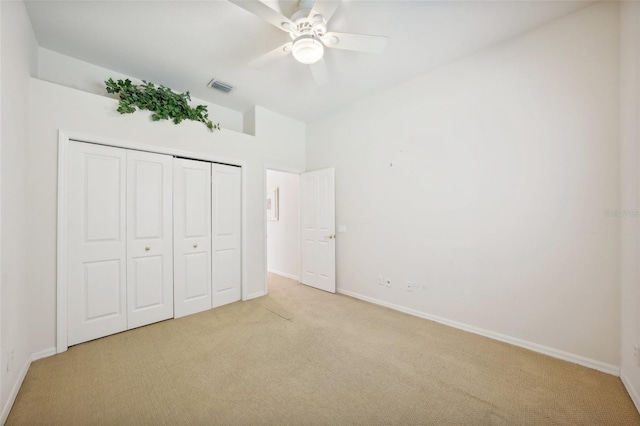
pixel 307 28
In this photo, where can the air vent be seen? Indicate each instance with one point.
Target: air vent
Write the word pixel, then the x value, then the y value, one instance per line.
pixel 221 86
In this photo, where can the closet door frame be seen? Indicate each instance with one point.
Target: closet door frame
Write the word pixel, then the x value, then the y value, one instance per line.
pixel 64 137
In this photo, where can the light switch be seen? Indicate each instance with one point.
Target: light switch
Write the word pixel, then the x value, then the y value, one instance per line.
pixel 342 228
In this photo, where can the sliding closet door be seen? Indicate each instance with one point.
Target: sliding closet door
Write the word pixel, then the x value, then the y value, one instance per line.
pixel 96 229
pixel 192 236
pixel 225 233
pixel 149 238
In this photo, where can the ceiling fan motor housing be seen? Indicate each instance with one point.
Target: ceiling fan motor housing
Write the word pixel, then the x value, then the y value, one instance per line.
pixel 305 24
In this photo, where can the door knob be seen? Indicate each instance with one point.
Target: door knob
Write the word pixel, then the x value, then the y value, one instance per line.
pixel 147 248
pixel 195 246
pixel 331 237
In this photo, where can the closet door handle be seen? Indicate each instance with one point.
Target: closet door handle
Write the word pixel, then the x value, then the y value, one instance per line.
pixel 147 248
pixel 195 246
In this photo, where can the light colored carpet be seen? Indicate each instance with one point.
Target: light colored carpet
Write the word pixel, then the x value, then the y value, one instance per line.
pixel 303 356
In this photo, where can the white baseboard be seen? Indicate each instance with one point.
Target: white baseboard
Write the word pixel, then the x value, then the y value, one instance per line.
pixel 43 354
pixel 23 373
pixel 631 391
pixel 255 295
pixel 284 274
pixel 556 353
pixel 14 391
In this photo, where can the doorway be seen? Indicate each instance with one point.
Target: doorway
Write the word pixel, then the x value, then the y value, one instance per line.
pixel 283 223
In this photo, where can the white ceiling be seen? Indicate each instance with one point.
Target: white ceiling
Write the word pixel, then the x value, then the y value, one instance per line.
pixel 183 44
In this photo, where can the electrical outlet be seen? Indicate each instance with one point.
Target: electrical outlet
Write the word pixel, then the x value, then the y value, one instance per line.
pixel 636 353
pixel 388 282
pixel 410 286
pixel 380 280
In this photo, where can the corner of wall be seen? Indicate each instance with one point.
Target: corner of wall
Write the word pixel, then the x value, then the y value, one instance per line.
pixel 249 122
pixel 19 59
pixel 630 196
pixel 283 137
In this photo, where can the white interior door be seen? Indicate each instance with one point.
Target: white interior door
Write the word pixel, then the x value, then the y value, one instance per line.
pixel 317 220
pixel 96 286
pixel 192 236
pixel 149 238
pixel 226 187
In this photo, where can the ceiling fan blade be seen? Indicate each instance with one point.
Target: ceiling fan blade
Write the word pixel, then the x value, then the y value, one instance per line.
pixel 320 73
pixel 324 8
pixel 276 53
pixel 356 42
pixel 263 11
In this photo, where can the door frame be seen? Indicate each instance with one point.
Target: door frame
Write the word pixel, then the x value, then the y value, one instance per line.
pixel 64 137
pixel 275 168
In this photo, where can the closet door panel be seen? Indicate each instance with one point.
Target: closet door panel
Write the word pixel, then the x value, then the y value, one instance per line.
pixel 197 280
pixel 96 227
pixel 192 236
pixel 147 273
pixel 149 238
pixel 226 204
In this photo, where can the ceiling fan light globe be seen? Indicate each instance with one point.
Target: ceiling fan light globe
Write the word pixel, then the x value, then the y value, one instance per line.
pixel 307 49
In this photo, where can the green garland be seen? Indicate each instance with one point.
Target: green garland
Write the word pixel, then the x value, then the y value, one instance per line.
pixel 162 101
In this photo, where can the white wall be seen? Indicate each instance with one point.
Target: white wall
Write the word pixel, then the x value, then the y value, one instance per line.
pixel 629 203
pixel 283 235
pixel 67 71
pixel 56 107
pixel 504 165
pixel 19 62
